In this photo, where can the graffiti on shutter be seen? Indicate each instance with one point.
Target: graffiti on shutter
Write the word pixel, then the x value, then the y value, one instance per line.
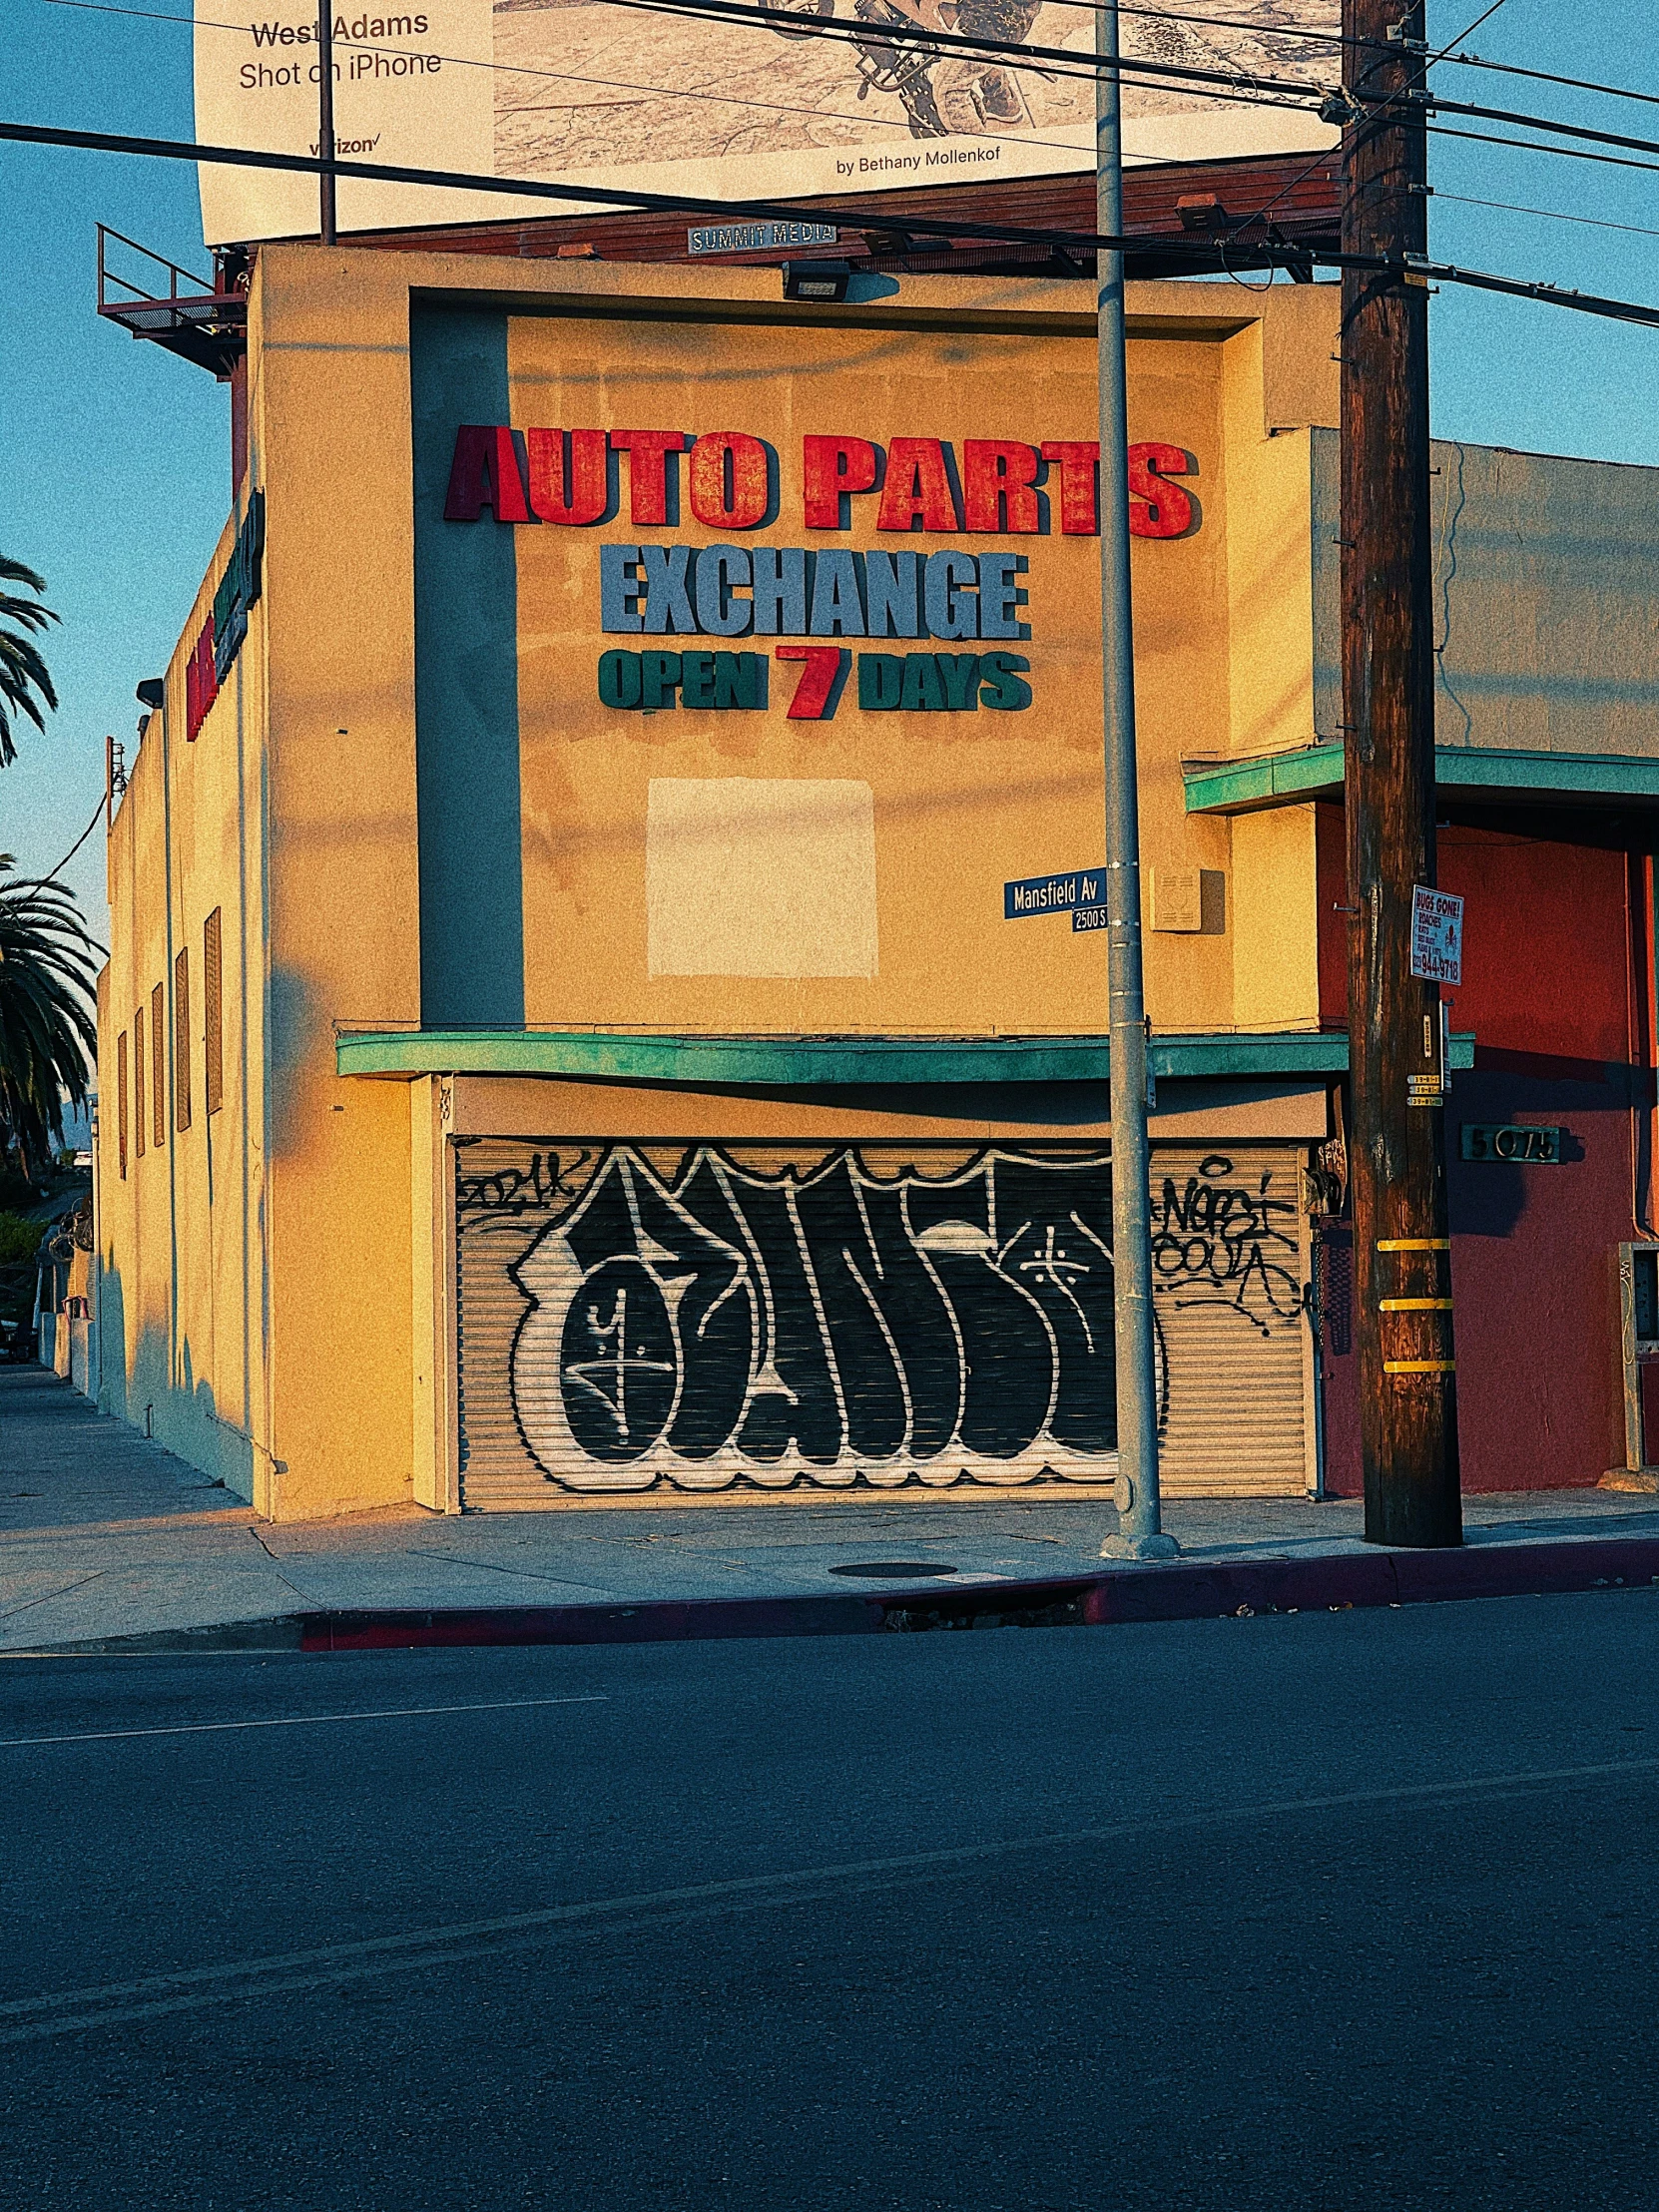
pixel 718 1318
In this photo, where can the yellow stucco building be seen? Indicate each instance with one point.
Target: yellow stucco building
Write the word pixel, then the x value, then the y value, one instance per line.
pixel 569 1033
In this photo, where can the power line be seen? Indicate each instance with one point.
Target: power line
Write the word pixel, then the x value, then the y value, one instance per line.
pixel 587 197
pixel 1237 228
pixel 1430 59
pixel 1384 50
pixel 1485 16
pixel 76 846
pixel 1518 288
pixel 1436 105
pixel 1549 77
pixel 1528 146
pixel 1553 215
pixel 1411 269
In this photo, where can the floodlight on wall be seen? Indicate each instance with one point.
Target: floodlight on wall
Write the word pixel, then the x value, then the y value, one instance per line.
pixel 1201 211
pixel 816 279
pixel 152 692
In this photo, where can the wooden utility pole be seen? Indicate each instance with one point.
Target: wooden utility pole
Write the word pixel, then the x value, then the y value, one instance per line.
pixel 1402 1248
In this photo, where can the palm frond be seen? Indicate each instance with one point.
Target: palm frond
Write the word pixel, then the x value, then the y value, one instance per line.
pixel 48 1030
pixel 23 674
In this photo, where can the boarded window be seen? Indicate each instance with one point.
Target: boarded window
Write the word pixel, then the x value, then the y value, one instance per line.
pixel 138 1082
pixel 181 1038
pixel 158 1066
pixel 213 1035
pixel 121 1101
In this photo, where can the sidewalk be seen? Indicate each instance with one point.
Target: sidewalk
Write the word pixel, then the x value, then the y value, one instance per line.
pixel 105 1536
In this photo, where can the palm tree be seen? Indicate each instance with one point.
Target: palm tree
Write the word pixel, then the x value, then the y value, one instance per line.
pixel 48 1036
pixel 22 671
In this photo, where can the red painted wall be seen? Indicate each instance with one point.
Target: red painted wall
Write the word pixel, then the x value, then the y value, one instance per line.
pixel 1562 1036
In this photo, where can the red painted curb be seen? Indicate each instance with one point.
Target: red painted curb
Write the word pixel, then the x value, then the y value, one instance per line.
pixel 1116 1596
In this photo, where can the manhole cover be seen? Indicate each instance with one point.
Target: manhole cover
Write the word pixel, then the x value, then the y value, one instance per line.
pixel 889 1570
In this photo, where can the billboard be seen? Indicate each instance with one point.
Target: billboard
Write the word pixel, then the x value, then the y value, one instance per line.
pixel 596 94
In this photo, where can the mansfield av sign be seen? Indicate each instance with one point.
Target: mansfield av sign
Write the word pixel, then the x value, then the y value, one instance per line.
pixel 1077 891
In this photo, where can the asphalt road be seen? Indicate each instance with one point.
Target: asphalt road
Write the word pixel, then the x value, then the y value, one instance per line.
pixel 1325 1911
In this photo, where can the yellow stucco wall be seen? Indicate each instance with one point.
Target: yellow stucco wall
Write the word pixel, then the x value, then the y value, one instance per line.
pixel 1276 921
pixel 182 1261
pixel 277 1269
pixel 328 411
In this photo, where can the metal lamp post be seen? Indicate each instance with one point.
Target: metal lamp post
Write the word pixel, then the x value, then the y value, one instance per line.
pixel 1140 1533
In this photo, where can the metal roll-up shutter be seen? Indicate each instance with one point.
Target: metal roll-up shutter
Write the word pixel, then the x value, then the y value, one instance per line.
pixel 1229 1270
pixel 497 1212
pixel 726 1318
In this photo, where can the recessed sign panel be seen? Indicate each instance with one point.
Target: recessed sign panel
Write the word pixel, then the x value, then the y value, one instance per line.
pixel 781 661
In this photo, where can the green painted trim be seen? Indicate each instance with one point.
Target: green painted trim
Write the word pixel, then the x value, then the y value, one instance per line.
pixel 1273 778
pixel 1287 779
pixel 792 1063
pixel 1594 775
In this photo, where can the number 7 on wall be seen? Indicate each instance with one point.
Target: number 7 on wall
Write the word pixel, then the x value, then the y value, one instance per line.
pixel 817 679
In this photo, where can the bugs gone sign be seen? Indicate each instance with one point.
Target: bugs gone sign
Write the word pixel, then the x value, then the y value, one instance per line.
pixel 1436 936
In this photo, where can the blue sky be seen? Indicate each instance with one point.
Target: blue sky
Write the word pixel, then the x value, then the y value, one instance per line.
pixel 113 457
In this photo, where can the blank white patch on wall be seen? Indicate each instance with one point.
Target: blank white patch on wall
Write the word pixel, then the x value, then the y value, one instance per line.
pixel 752 875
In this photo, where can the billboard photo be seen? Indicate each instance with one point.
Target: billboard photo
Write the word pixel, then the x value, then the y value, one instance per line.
pixel 591 93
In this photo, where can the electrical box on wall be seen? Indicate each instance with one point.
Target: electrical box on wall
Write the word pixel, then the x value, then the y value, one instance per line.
pixel 1639 1334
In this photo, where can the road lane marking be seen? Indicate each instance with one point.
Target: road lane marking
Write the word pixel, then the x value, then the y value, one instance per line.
pixel 194 1987
pixel 296 1720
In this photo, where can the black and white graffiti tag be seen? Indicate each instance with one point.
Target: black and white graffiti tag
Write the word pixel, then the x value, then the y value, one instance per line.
pixel 540 1182
pixel 841 1325
pixel 1216 1242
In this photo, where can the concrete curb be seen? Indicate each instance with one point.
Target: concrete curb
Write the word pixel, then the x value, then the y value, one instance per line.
pixel 1180 1591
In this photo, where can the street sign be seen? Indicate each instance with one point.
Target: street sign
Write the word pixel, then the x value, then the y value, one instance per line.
pixel 1436 936
pixel 1081 888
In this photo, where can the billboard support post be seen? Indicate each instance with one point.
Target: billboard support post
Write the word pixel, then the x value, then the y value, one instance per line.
pixel 325 117
pixel 1139 1533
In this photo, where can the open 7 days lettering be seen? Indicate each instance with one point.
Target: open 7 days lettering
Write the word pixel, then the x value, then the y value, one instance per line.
pixel 911 683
